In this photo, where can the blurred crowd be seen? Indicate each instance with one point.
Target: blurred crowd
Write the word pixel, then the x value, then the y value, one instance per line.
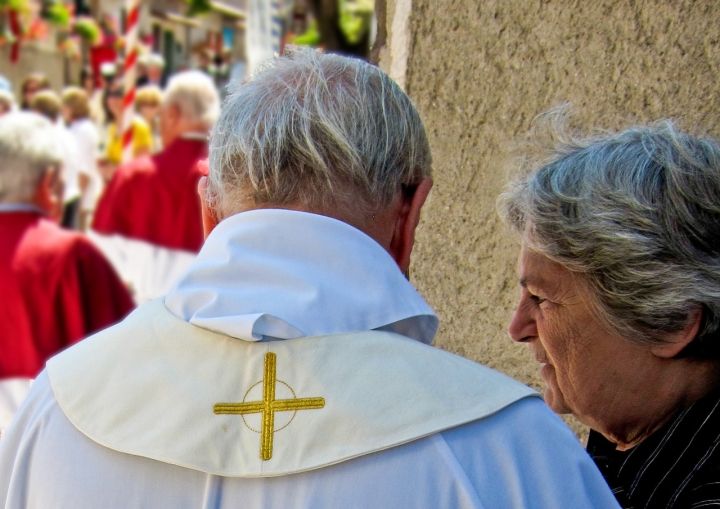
pixel 87 119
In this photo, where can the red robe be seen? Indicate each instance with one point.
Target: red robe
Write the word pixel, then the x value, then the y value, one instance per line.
pixel 56 289
pixel 154 199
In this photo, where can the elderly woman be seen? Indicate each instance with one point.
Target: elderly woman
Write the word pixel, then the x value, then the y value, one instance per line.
pixel 620 303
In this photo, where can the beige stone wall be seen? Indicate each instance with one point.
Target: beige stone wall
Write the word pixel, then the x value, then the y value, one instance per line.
pixel 479 72
pixel 32 59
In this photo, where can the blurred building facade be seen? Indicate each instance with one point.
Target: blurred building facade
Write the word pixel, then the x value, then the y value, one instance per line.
pixel 165 28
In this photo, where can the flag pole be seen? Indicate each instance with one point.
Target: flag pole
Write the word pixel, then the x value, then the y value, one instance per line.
pixel 129 76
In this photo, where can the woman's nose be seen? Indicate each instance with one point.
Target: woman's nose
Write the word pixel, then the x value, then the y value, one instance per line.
pixel 522 327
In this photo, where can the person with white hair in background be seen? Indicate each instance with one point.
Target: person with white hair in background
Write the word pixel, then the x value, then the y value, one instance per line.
pixel 48 104
pixel 153 65
pixel 148 220
pixel 7 102
pixel 56 286
pixel 291 365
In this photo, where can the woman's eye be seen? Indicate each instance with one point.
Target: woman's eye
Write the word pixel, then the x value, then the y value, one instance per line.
pixel 537 300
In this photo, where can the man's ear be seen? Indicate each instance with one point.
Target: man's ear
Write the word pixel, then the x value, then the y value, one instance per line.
pixel 677 342
pixel 174 112
pixel 48 194
pixel 406 224
pixel 209 216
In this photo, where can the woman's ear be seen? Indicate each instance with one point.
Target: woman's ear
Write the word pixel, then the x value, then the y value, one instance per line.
pixel 209 216
pixel 677 342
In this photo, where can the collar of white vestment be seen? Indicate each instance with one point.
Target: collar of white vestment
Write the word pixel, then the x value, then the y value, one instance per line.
pixel 194 135
pixel 283 274
pixel 158 387
pixel 8 208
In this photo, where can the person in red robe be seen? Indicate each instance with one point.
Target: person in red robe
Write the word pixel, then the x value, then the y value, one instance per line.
pixel 148 221
pixel 57 288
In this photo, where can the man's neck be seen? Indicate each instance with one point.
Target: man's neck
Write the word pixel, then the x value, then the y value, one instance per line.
pixel 189 132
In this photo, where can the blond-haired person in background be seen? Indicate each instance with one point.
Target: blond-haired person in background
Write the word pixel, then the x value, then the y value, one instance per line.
pixel 147 104
pixel 76 111
pixel 142 135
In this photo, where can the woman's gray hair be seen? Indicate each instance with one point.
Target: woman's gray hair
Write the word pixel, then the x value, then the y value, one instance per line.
pixel 637 215
pixel 29 148
pixel 195 95
pixel 319 131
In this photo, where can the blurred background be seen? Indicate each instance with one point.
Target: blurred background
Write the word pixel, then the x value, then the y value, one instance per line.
pixel 69 40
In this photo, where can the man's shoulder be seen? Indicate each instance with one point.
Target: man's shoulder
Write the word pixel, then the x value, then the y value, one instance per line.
pixel 399 389
pixel 36 406
pixel 142 167
pixel 511 423
pixel 45 238
pixel 51 247
pixel 129 184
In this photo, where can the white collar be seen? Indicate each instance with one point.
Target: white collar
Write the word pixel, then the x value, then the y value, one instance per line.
pixel 194 135
pixel 281 274
pixel 21 207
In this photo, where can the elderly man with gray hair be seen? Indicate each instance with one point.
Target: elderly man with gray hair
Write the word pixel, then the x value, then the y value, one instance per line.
pixel 291 365
pixel 56 287
pixel 148 219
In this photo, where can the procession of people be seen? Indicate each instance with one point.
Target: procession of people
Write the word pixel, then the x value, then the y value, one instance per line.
pixel 226 318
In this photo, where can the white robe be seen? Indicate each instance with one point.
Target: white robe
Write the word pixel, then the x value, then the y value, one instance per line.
pixel 281 276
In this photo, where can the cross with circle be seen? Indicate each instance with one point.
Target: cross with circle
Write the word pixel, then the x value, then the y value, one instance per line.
pixel 268 406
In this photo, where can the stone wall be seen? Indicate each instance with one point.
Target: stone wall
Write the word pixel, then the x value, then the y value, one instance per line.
pixel 480 72
pixel 33 59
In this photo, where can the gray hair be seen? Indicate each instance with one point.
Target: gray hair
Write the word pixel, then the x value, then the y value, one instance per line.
pixel 320 131
pixel 29 148
pixel 637 215
pixel 195 95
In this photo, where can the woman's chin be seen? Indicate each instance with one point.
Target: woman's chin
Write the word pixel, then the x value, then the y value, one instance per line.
pixel 556 404
pixel 553 395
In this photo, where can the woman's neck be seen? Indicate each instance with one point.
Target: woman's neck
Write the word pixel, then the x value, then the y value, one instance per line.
pixel 683 384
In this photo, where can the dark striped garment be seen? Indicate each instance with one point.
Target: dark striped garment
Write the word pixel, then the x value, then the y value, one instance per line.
pixel 676 467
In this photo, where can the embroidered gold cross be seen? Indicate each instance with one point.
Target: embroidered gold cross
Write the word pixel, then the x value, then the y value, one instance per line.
pixel 268 406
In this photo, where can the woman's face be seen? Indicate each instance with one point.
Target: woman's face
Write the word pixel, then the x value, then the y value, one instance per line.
pixel 589 371
pixel 115 101
pixel 31 88
pixel 89 83
pixel 149 113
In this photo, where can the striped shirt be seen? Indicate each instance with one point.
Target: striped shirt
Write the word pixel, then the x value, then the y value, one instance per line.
pixel 678 466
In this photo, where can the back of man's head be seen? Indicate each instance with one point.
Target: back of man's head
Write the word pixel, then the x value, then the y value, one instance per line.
pixel 195 96
pixel 28 150
pixel 47 103
pixel 317 132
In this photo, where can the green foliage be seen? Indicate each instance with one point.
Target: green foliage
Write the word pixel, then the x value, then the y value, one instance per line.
pixel 310 38
pixel 198 7
pixel 14 4
pixel 355 19
pixel 88 29
pixel 56 13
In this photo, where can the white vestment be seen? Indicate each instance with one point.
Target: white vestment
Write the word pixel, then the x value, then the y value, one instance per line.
pixel 12 394
pixel 172 407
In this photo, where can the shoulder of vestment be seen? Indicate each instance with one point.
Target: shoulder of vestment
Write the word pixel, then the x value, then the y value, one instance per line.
pixel 158 387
